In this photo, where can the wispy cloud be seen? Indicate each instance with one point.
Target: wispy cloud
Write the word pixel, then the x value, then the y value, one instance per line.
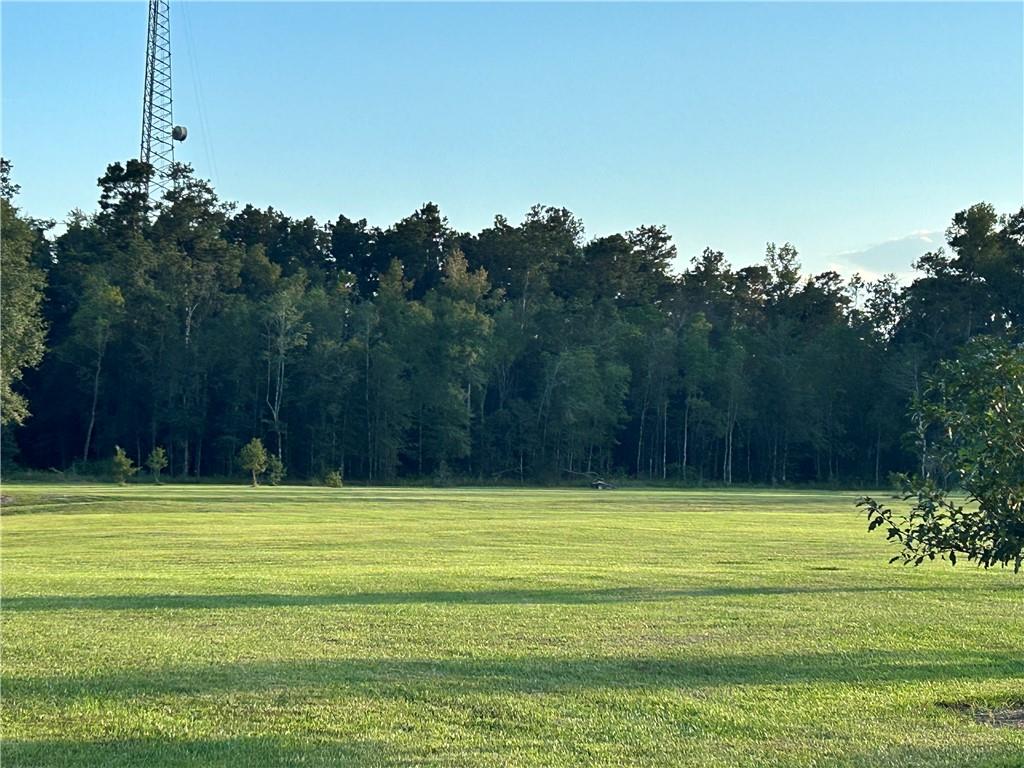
pixel 895 255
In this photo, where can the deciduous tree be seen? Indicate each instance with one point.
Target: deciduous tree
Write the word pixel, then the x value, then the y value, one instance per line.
pixel 253 458
pixel 22 329
pixel 974 409
pixel 156 462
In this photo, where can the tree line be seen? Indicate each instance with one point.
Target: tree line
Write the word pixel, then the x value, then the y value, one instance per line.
pixel 524 352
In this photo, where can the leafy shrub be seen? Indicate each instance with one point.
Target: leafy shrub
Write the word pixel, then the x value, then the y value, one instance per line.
pixel 157 460
pixel 275 470
pixel 122 466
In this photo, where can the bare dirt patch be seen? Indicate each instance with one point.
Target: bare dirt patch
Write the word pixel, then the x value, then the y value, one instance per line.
pixel 1010 716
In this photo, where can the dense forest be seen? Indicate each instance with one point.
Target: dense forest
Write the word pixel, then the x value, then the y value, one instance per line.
pixel 522 353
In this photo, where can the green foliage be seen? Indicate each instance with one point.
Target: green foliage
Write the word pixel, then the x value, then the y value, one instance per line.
pixel 333 479
pixel 157 461
pixel 253 458
pixel 275 469
pixel 100 309
pixel 122 466
pixel 973 411
pixel 22 328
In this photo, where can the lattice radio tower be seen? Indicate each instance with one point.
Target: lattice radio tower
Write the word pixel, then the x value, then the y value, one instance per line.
pixel 158 129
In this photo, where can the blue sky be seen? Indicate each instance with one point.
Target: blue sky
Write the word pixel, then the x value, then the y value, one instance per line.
pixel 836 126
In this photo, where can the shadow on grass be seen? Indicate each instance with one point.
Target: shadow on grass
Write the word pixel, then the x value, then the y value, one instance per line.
pixel 436 679
pixel 465 597
pixel 171 500
pixel 210 753
pixel 304 752
pixel 895 754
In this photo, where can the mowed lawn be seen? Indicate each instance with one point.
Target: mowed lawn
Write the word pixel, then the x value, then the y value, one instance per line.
pixel 223 626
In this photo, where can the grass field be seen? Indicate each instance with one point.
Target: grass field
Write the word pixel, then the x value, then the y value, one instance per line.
pixel 224 626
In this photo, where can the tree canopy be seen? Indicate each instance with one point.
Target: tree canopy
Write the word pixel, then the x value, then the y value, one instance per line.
pixel 22 329
pixel 525 351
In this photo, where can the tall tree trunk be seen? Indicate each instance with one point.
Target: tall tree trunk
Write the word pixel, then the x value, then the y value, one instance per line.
pixel 878 451
pixel 664 441
pixel 774 452
pixel 366 398
pixel 703 455
pixel 785 454
pixel 727 449
pixel 686 434
pixel 92 411
pixel 640 439
pixel 469 425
